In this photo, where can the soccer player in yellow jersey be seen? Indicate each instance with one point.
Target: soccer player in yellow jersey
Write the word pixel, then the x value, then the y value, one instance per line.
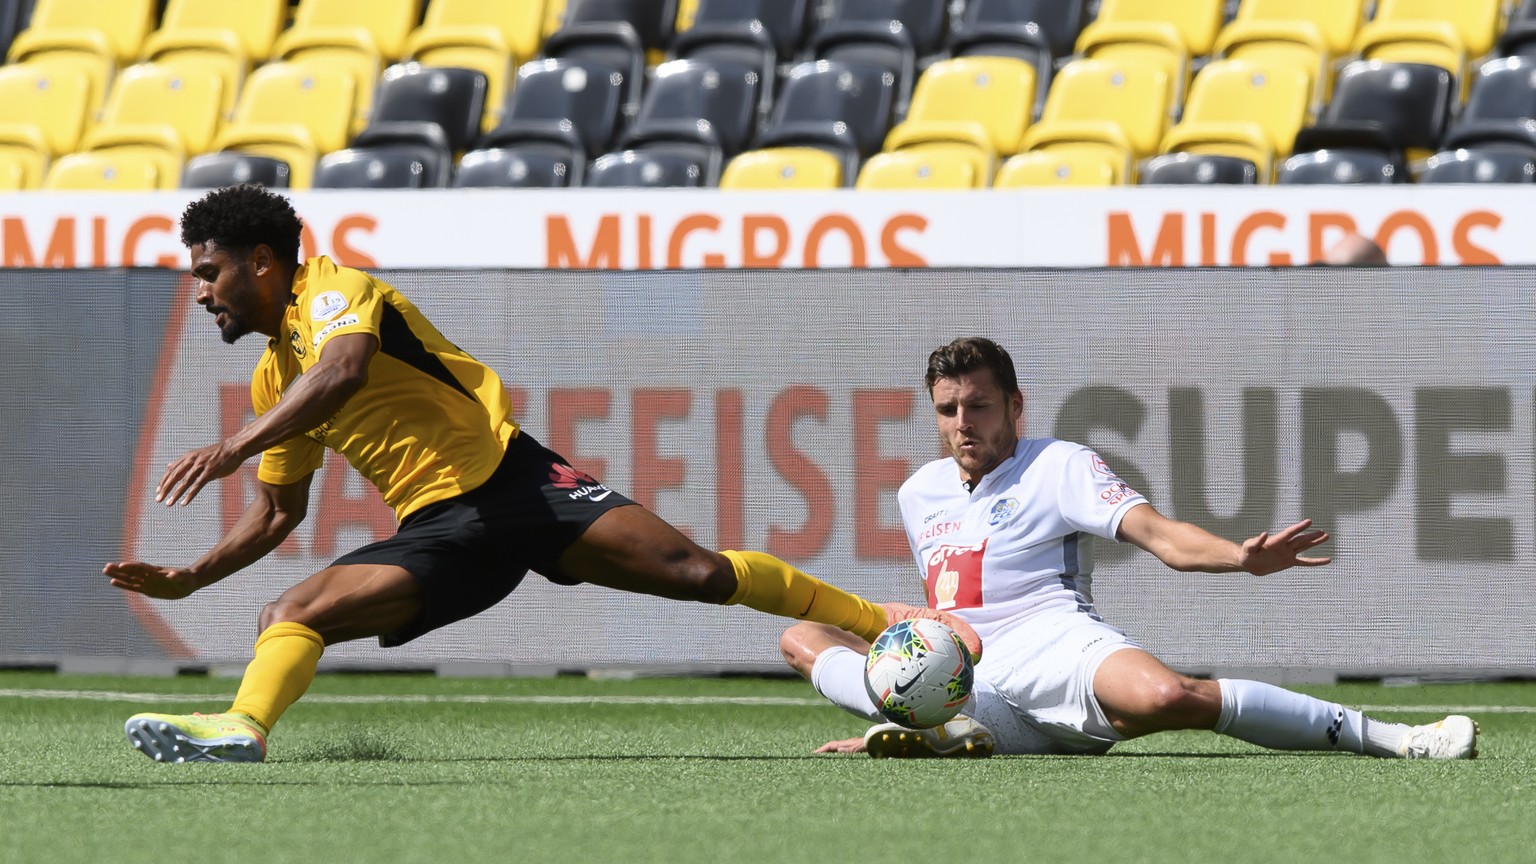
pixel 352 366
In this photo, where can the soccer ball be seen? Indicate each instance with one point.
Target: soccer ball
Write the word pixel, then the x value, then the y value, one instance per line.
pixel 918 673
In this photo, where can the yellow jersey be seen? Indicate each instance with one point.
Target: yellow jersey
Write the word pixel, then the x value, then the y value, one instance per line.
pixel 432 421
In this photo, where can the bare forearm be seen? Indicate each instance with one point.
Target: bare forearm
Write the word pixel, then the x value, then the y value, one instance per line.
pixel 257 532
pixel 1191 549
pixel 314 399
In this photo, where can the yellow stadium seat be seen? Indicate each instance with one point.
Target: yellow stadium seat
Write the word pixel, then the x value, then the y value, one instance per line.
pixel 1477 22
pixel 1145 44
pixel 919 168
pixel 986 102
pixel 359 38
pixel 15 171
pixel 291 112
pixel 106 172
pixel 1238 108
pixel 1119 111
pixel 1298 44
pixel 1061 166
pixel 70 53
pixel 783 168
pixel 1338 21
pixel 1196 21
pixel 221 37
pixel 43 112
pixel 490 36
pixel 156 106
pixel 687 10
pixel 123 23
pixel 1433 43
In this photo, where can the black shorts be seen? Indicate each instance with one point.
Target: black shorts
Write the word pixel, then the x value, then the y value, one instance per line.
pixel 468 552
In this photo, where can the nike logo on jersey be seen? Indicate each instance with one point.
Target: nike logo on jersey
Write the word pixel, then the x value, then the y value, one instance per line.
pixel 606 493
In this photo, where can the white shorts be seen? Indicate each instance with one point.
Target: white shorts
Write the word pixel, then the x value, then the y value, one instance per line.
pixel 1034 685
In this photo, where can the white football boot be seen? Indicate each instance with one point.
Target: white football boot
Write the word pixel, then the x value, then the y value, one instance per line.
pixel 1455 737
pixel 959 738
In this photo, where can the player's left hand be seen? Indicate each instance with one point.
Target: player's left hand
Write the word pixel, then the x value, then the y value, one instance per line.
pixel 187 475
pixel 1270 553
pixel 151 580
pixel 847 745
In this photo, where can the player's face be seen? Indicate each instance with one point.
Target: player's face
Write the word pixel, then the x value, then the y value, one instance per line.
pixel 226 287
pixel 978 421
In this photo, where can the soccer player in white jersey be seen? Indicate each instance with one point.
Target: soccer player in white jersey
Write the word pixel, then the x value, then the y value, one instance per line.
pixel 1001 532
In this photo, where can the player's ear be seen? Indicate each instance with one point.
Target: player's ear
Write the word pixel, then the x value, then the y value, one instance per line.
pixel 261 259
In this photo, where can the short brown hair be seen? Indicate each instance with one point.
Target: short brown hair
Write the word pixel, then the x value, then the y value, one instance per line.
pixel 967 354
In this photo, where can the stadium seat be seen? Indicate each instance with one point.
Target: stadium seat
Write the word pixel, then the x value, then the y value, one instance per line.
pixel 67 53
pixel 710 104
pixel 844 109
pixel 1402 107
pixel 1196 21
pixel 1019 39
pixel 984 102
pixel 554 15
pixel 16 170
pixel 1338 22
pixel 657 166
pixel 1197 169
pixel 493 37
pixel 294 113
pixel 613 47
pixel 1240 109
pixel 533 164
pixel 1501 107
pixel 123 24
pixel 1152 45
pixel 396 165
pixel 359 38
pixel 231 167
pixel 1118 112
pixel 1059 22
pixel 1432 43
pixel 450 99
pixel 651 20
pixel 1490 163
pixel 563 101
pixel 43 113
pixel 109 171
pixel 162 108
pixel 923 24
pixel 1340 167
pixel 1299 43
pixel 919 169
pixel 223 38
pixel 1057 167
pixel 777 26
pixel 783 168
pixel 1519 36
pixel 1476 23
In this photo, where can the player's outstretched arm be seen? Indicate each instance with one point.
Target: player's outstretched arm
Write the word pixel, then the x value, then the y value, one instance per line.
pixel 269 519
pixel 1187 547
pixel 312 400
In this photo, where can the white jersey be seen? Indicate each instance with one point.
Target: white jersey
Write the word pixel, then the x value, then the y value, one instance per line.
pixel 1018 545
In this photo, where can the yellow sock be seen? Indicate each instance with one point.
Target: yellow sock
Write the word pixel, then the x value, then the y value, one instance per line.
pixel 767 584
pixel 284 666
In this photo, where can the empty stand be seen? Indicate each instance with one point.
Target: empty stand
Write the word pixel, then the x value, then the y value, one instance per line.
pixel 1156 46
pixel 43 113
pixel 1519 37
pixel 1195 21
pixel 231 167
pixel 1490 163
pixel 844 109
pixel 69 53
pixel 615 48
pixel 292 112
pixel 783 168
pixel 421 99
pixel 493 37
pixel 1390 107
pixel 923 24
pixel 1109 112
pixel 697 102
pixel 524 165
pixel 1340 167
pixel 777 28
pixel 984 103
pixel 163 108
pixel 122 23
pixel 576 105
pixel 1501 108
pixel 657 166
pixel 357 38
pixel 1057 23
pixel 651 20
pixel 1475 23
pixel 920 169
pixel 223 38
pixel 1337 22
pixel 1243 110
pixel 1198 169
pixel 376 164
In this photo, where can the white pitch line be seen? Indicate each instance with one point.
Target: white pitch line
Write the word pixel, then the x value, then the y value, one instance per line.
pixel 472 699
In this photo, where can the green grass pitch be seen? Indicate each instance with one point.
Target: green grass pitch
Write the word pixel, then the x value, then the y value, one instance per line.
pixel 392 768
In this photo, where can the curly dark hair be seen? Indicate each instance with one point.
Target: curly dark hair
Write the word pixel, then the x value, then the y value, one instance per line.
pixel 968 354
pixel 240 218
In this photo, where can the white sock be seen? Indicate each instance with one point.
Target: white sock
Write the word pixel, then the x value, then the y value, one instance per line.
pixel 1279 719
pixel 838 674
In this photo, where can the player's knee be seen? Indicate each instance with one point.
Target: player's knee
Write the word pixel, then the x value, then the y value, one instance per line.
pixel 712 578
pixel 794 644
pixel 279 611
pixel 1177 701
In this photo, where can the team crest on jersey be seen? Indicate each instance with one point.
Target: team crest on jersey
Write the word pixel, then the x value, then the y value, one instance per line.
pixel 297 341
pixel 1003 509
pixel 325 307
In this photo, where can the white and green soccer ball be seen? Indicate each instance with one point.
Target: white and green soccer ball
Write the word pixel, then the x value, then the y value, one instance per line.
pixel 918 673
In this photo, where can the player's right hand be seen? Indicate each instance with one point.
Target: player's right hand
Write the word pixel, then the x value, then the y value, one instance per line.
pixel 164 583
pixel 847 745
